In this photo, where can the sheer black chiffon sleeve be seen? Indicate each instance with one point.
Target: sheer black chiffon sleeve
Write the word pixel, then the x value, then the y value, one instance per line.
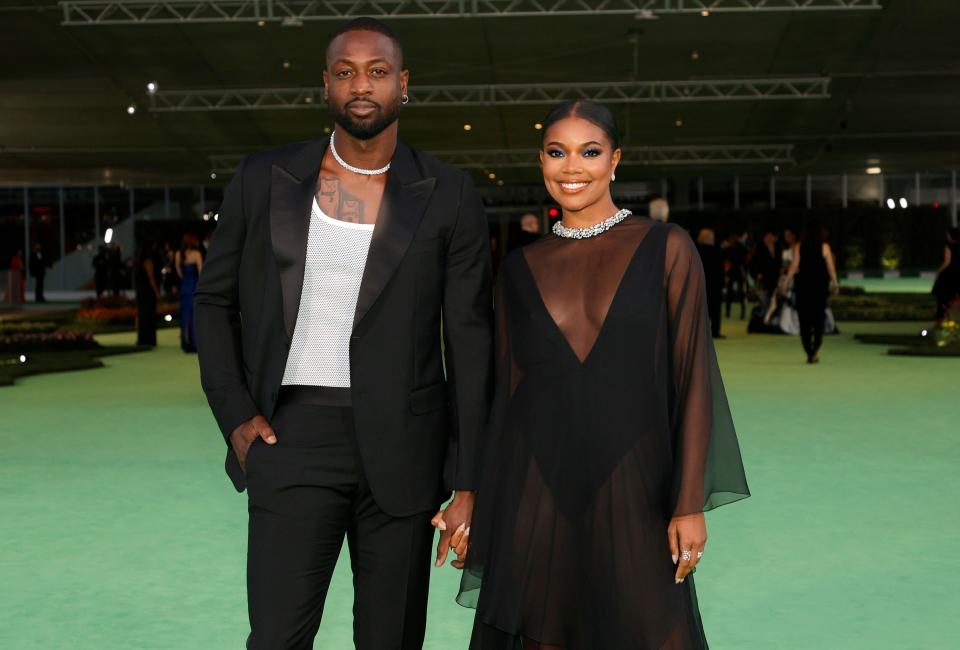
pixel 708 469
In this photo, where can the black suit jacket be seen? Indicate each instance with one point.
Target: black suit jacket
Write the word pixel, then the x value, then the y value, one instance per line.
pixel 419 412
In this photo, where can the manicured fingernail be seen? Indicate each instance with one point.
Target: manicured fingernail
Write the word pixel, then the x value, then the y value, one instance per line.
pixel 467 531
pixel 442 526
pixel 674 557
pixel 437 563
pixel 461 527
pixel 272 439
pixel 678 581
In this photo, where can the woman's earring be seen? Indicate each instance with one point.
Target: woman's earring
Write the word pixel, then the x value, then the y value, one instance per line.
pixel 613 176
pixel 404 98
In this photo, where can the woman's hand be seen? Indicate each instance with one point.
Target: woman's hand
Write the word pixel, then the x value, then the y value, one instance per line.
pixel 688 537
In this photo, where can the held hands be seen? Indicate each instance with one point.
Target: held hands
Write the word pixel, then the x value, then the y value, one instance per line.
pixel 243 436
pixel 687 536
pixel 454 526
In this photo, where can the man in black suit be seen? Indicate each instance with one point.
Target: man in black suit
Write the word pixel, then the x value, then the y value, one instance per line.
pixel 38 269
pixel 336 267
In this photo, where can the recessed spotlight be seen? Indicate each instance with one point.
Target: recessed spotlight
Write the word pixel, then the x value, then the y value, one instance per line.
pixel 903 202
pixel 308 99
pixel 874 171
pixel 891 204
pixel 705 13
pixel 678 122
pixel 776 168
pixel 538 126
pixel 213 176
pixel 491 176
pixel 168 318
pixel 152 88
pixel 131 109
pixel 468 127
pixel 285 64
pixel 695 55
pixel 500 183
pixel 261 23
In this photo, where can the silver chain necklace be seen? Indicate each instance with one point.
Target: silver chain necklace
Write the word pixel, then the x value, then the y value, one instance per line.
pixel 590 231
pixel 349 167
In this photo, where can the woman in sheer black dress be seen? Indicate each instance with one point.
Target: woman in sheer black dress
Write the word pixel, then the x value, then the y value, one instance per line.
pixel 610 432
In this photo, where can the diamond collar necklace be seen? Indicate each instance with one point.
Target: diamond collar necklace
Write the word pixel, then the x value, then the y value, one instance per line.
pixel 356 170
pixel 590 231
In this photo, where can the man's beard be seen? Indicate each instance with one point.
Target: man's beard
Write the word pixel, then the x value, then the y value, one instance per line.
pixel 368 127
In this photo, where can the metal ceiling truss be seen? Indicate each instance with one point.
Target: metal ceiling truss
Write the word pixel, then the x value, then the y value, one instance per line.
pixel 495 159
pixel 639 92
pixel 294 12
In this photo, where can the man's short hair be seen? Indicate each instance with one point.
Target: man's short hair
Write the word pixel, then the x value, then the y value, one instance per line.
pixel 367 24
pixel 659 209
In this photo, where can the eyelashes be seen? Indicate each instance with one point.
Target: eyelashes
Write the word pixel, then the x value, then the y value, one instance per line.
pixel 588 153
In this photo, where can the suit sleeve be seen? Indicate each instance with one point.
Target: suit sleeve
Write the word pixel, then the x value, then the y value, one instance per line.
pixel 217 313
pixel 467 332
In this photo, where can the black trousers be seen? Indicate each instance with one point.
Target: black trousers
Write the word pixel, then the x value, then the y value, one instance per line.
pixel 305 494
pixel 811 317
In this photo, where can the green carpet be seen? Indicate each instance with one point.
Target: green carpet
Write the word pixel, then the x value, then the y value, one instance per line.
pixel 118 528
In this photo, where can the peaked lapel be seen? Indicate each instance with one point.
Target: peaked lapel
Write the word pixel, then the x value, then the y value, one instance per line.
pixel 404 201
pixel 292 187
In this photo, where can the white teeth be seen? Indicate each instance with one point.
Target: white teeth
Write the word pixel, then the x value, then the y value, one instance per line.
pixel 573 186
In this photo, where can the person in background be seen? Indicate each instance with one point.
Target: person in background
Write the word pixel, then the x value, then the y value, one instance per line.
pixel 100 263
pixel 530 231
pixel 38 269
pixel 148 293
pixel 765 268
pixel 659 210
pixel 189 264
pixel 735 253
pixel 16 267
pixel 712 260
pixel 946 287
pixel 816 278
pixel 115 269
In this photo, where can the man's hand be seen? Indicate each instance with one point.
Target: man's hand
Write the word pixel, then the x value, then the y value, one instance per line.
pixel 454 526
pixel 687 536
pixel 243 436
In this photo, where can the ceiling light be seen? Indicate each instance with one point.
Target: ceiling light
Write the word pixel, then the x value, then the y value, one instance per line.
pixel 286 64
pixel 168 318
pixel 491 175
pixel 23 358
pixel 152 88
pixel 261 23
pixel 705 13
pixel 216 217
pixel 874 170
pixel 679 122
pixel 108 236
pixel 500 183
pixel 538 126
pixel 326 130
pixel 308 99
pixel 695 55
pixel 213 176
pixel 467 127
pixel 776 168
pixel 891 204
pixel 903 202
pixel 131 109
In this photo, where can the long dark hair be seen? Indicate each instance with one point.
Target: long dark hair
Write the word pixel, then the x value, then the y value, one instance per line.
pixel 813 234
pixel 591 111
